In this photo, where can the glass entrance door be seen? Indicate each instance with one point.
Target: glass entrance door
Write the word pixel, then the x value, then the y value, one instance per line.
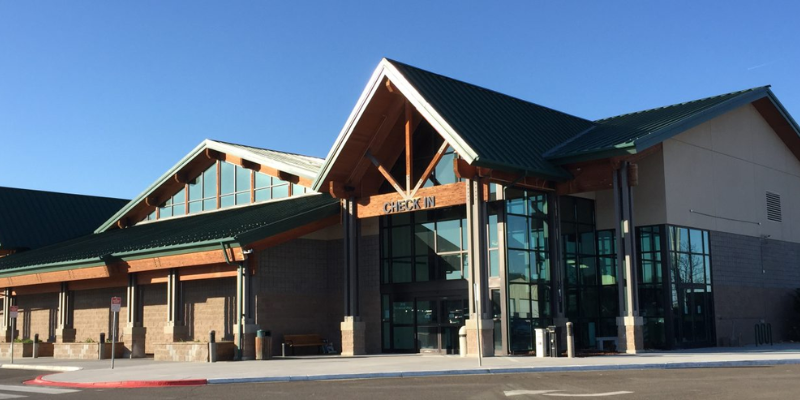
pixel 438 321
pixel 693 323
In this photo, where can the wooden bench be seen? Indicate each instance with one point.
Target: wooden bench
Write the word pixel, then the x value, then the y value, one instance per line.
pixel 312 340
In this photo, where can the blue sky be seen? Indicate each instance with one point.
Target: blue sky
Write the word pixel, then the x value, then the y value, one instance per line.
pixel 102 97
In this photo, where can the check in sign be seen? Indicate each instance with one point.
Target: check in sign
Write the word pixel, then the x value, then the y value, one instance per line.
pixel 13 311
pixel 116 303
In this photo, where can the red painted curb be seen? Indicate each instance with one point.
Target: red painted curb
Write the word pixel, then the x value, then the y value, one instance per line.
pixel 40 381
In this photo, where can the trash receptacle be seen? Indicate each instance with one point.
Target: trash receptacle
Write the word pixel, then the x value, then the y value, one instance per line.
pixel 553 337
pixel 541 339
pixel 267 345
pixel 462 341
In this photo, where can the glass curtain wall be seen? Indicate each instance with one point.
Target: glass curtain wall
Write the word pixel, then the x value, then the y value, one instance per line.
pixel 528 267
pixel 651 285
pixel 692 298
pixel 590 271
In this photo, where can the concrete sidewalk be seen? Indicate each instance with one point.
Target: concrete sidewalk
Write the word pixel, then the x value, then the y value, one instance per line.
pixel 146 372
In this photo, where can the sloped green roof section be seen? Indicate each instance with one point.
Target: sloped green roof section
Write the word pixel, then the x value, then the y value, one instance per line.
pixel 629 133
pixel 505 132
pixel 31 219
pixel 241 225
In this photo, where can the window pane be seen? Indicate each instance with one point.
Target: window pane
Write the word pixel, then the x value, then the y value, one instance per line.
pixel 210 182
pixel 422 269
pixel 263 180
pixel 443 172
pixel 401 243
pixel 424 243
pixel 226 178
pixel 426 312
pixel 226 201
pixel 588 271
pixel 538 205
pixel 494 263
pixel 263 194
pixel 196 189
pixel 195 206
pixel 519 301
pixel 279 192
pixel 451 266
pixel 403 312
pixel 538 238
pixel 403 338
pixel 518 266
pixel 608 270
pixel 243 198
pixel 179 209
pixel 165 212
pixel 242 179
pixel 696 239
pixel 297 189
pixel 541 269
pixel 517 232
pixel 210 204
pixel 448 236
pixel 180 197
pixel 401 270
pixel 493 231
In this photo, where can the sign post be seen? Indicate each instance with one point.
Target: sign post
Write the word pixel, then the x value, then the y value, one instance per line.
pixel 116 304
pixel 12 313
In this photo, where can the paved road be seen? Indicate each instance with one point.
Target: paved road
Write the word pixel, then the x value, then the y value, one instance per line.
pixel 781 382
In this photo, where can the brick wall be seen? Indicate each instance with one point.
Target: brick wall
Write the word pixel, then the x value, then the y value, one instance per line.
pixel 293 289
pixel 154 315
pixel 753 280
pixel 92 312
pixel 209 304
pixel 38 313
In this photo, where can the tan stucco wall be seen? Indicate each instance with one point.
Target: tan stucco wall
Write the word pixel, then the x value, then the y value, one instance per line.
pixel 724 168
pixel 649 203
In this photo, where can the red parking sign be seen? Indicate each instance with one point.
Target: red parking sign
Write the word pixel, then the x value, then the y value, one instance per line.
pixel 116 303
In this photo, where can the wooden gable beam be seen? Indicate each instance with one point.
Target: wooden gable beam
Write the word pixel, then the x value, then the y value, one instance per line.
pixel 409 146
pixel 466 171
pixel 431 166
pixel 383 131
pixel 388 176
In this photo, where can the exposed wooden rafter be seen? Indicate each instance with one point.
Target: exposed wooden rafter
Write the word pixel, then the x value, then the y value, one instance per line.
pixel 386 174
pixel 431 166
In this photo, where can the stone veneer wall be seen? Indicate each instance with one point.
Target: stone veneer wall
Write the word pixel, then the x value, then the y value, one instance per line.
pixel 38 313
pixel 209 304
pixel 154 315
pixel 753 280
pixel 92 312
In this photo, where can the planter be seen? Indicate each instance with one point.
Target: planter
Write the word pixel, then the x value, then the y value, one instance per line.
pixel 45 349
pixel 192 351
pixel 86 351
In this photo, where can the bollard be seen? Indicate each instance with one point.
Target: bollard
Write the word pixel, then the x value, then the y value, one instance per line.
pixel 267 345
pixel 259 344
pixel 212 346
pixel 35 346
pixel 100 355
pixel 570 341
pixel 462 341
pixel 283 350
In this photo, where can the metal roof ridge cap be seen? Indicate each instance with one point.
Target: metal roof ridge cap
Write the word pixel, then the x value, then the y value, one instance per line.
pixel 548 153
pixel 246 154
pixel 349 125
pixel 658 136
pixel 433 117
pixel 158 182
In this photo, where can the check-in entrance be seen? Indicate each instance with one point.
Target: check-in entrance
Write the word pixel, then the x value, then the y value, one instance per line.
pixel 414 324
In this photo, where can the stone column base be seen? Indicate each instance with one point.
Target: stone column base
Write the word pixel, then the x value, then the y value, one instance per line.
pixel 354 336
pixel 630 334
pixel 175 333
pixel 65 335
pixel 134 339
pixel 248 342
pixel 487 337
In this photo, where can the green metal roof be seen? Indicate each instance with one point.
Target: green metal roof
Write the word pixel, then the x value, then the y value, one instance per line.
pixel 240 225
pixel 629 133
pixel 505 132
pixel 303 166
pixel 31 219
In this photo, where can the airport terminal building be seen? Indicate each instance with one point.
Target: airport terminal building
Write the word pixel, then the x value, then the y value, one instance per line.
pixel 441 205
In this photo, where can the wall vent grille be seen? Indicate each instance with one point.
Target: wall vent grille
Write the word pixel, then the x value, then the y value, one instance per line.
pixel 773 207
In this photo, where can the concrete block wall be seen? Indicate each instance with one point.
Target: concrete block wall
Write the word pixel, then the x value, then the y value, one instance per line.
pixel 753 281
pixel 209 304
pixel 92 312
pixel 154 314
pixel 293 289
pixel 369 282
pixel 38 313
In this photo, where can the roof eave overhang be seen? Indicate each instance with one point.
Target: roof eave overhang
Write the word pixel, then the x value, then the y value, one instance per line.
pixel 123 256
pixel 385 69
pixel 621 150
